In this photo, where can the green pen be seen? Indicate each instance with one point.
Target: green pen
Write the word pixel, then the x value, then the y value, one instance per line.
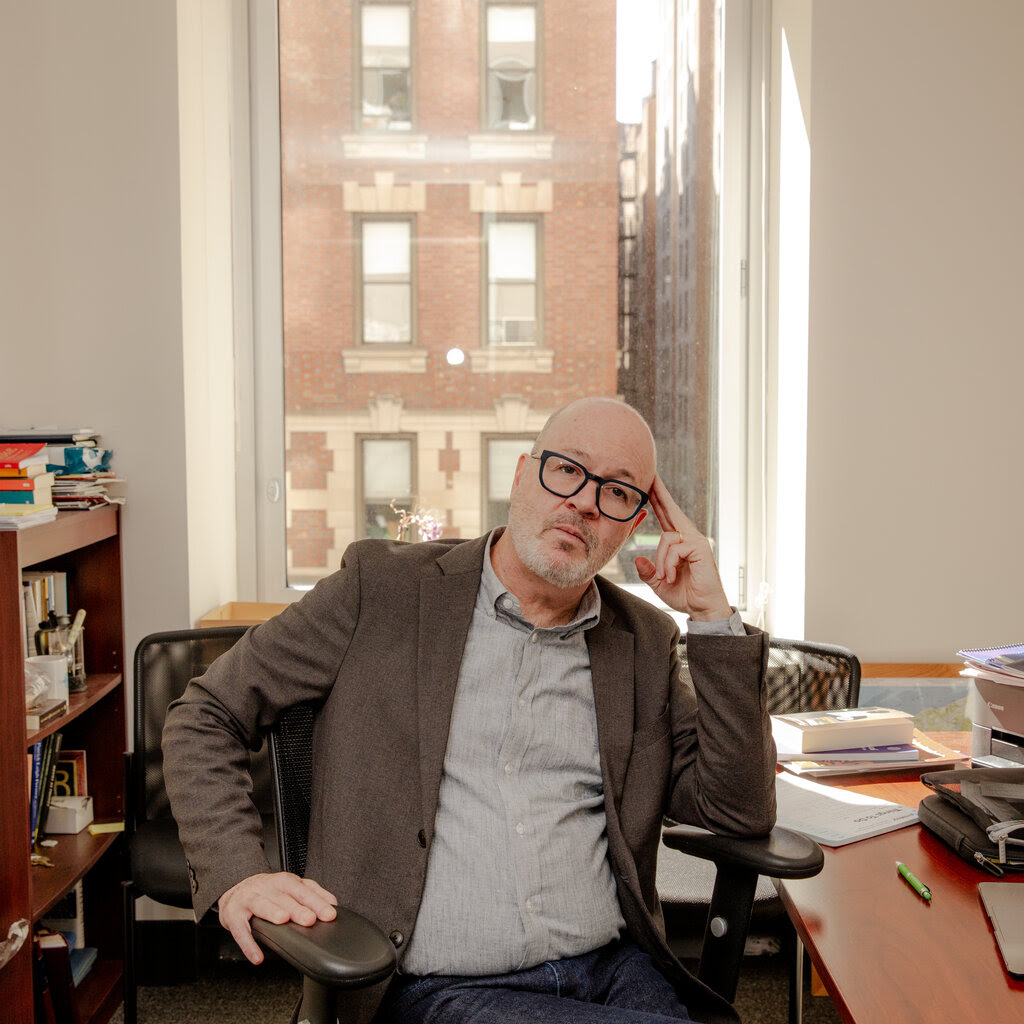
pixel 914 882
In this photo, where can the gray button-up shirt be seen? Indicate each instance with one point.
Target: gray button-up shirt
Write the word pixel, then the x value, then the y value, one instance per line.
pixel 518 871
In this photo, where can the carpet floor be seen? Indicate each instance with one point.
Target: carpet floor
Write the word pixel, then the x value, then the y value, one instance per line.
pixel 231 992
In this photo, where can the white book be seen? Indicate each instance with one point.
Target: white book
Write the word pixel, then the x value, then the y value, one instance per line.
pixel 835 817
pixel 808 732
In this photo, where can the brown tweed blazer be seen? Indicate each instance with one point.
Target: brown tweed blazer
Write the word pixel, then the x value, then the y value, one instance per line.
pixel 378 645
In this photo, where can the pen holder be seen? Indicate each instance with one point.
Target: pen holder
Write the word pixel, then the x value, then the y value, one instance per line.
pixel 76 677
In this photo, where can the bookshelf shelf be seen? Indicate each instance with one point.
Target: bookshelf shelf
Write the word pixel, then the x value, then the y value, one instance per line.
pixel 73 856
pixel 87 547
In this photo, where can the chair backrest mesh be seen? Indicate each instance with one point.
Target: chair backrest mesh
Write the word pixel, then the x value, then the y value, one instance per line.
pixel 807 676
pixel 164 664
pixel 291 754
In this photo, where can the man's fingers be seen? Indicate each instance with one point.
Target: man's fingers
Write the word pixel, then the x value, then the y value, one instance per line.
pixel 276 897
pixel 242 934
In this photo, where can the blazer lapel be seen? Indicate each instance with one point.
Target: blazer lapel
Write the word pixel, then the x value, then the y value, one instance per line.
pixel 446 613
pixel 611 669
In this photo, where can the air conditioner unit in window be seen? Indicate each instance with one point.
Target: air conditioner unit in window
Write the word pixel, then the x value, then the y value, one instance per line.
pixel 514 331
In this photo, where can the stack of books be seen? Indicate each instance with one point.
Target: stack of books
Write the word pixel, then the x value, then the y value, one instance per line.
pixel 856 740
pixel 26 485
pixel 77 464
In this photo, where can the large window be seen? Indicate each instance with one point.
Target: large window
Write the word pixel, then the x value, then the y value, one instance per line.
pixel 386 277
pixel 424 300
pixel 512 285
pixel 385 39
pixel 511 54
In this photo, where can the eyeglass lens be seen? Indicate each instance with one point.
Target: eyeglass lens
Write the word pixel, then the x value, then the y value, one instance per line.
pixel 565 478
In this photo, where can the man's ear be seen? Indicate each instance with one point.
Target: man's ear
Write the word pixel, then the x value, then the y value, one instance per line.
pixel 523 459
pixel 638 519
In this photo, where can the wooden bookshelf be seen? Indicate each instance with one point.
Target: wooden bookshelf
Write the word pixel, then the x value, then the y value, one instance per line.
pixel 87 546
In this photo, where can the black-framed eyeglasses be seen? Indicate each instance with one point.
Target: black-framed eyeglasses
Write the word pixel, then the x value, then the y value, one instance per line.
pixel 565 477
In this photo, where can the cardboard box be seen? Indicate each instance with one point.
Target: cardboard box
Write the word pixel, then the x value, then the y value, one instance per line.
pixel 241 613
pixel 68 814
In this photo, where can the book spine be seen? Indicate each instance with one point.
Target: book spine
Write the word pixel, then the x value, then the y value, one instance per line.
pixel 55 740
pixel 31 617
pixel 37 767
pixel 18 497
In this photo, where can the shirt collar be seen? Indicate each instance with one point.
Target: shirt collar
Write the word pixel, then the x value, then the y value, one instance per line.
pixel 588 611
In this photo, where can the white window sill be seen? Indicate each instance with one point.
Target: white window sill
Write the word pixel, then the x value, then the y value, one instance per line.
pixel 511 146
pixel 525 359
pixel 386 147
pixel 386 359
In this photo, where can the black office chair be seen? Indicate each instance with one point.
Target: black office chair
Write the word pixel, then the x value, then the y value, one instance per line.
pixel 801 676
pixel 349 954
pixel 352 954
pixel 164 663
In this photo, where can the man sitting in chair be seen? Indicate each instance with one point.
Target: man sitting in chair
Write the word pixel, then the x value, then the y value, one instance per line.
pixel 500 733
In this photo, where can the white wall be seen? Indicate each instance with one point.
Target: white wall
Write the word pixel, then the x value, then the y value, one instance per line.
pixel 914 482
pixel 90 263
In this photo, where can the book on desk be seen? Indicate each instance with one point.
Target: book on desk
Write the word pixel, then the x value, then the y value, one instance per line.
pixel 810 731
pixel 923 753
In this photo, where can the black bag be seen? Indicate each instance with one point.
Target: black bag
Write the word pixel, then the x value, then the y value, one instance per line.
pixel 980 814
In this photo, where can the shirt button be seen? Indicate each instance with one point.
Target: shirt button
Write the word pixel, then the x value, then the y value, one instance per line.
pixel 522 702
pixel 529 906
pixel 520 828
pixel 397 939
pixel 508 769
pixel 533 638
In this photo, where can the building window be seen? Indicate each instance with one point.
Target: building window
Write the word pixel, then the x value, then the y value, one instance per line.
pixel 501 455
pixel 388 484
pixel 386 61
pixel 512 292
pixel 511 56
pixel 386 281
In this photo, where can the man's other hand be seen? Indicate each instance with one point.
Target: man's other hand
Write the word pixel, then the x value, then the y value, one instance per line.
pixel 276 897
pixel 683 573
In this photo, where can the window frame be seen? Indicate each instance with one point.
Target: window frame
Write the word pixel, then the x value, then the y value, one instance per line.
pixel 260 475
pixel 357 91
pixel 360 460
pixel 538 69
pixel 359 281
pixel 485 465
pixel 537 220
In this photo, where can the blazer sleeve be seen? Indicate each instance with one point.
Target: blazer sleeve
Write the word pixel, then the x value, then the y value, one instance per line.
pixel 724 757
pixel 291 659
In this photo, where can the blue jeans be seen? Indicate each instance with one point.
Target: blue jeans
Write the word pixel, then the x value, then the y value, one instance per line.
pixel 617 984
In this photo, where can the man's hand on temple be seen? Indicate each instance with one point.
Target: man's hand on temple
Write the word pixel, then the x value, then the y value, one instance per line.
pixel 683 573
pixel 276 897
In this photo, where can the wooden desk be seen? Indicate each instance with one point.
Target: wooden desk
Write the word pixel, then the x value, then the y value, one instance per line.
pixel 883 953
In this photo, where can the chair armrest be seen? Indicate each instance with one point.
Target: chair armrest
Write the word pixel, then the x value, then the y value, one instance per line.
pixel 783 853
pixel 348 952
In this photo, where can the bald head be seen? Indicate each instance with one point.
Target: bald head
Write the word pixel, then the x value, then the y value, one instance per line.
pixel 602 423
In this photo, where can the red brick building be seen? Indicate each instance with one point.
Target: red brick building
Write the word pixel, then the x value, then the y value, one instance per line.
pixel 450 227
